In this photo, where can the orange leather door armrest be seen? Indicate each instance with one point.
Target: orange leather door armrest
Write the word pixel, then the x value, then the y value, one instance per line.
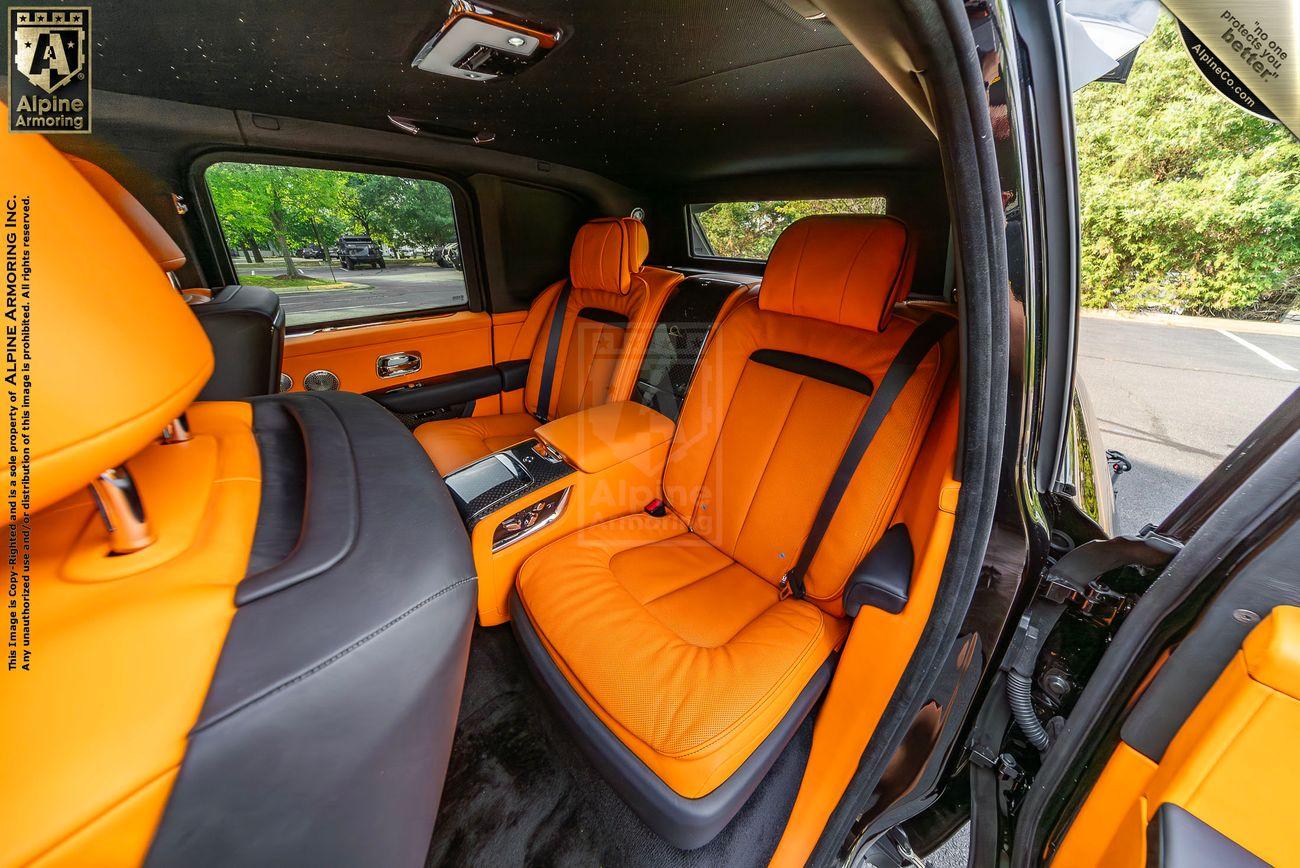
pixel 600 437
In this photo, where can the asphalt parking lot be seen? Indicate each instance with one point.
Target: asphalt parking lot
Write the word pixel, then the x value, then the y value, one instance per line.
pixel 1176 398
pixel 382 290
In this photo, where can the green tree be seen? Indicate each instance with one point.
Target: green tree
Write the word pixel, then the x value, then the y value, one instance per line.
pixel 282 203
pixel 1187 203
pixel 748 230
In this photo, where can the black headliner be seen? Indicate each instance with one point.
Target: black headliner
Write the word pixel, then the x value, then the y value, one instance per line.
pixel 638 91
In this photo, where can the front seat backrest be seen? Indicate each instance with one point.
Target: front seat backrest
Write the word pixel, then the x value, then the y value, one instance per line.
pixel 99 397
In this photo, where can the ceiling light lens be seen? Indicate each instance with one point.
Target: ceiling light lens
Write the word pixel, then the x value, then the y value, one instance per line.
pixel 516 41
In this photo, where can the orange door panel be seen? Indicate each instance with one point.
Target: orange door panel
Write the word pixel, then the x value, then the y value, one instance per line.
pixel 1233 765
pixel 510 342
pixel 447 343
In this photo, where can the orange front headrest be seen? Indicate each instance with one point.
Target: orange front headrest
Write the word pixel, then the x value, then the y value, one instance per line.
pixel 607 252
pixel 115 352
pixel 843 268
pixel 150 232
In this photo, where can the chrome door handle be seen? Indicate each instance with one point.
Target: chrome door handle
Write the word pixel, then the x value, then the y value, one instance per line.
pixel 398 364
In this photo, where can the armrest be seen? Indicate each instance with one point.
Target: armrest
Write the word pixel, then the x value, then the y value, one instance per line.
pixel 514 374
pixel 445 390
pixel 600 437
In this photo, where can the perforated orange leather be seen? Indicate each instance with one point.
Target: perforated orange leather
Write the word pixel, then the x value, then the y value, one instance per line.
pixel 144 383
pixel 687 656
pixel 839 268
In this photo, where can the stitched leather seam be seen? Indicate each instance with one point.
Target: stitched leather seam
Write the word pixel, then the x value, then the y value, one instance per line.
pixel 798 266
pixel 767 465
pixel 766 699
pixel 741 720
pixel 844 289
pixel 333 658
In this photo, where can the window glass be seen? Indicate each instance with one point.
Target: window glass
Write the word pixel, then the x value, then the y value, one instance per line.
pixel 747 230
pixel 1190 272
pixel 340 245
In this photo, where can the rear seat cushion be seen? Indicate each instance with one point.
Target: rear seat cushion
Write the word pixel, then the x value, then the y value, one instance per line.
pixel 453 443
pixel 639 608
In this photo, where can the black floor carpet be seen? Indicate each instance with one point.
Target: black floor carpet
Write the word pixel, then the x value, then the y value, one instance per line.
pixel 519 792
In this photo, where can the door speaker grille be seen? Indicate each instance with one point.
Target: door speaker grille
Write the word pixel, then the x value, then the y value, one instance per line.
pixel 320 381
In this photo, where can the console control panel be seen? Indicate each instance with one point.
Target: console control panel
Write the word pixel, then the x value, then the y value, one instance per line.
pixel 530 519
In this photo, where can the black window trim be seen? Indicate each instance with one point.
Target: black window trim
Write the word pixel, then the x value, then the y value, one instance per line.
pixel 747 264
pixel 464 211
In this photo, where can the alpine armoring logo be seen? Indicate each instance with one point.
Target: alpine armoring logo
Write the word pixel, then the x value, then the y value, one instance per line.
pixel 49 72
pixel 1221 78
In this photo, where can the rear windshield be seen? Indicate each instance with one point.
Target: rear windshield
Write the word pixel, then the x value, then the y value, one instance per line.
pixel 747 230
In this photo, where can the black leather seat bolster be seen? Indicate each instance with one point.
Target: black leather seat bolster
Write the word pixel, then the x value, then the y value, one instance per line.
pixel 685 823
pixel 325 734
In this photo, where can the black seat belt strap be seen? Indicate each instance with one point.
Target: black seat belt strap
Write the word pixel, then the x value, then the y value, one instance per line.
pixel 910 355
pixel 552 353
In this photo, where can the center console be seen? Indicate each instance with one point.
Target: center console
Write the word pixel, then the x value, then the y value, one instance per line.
pixel 505 477
pixel 579 470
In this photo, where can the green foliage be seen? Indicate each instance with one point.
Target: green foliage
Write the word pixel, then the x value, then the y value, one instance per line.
pixel 280 281
pixel 1188 203
pixel 291 207
pixel 747 230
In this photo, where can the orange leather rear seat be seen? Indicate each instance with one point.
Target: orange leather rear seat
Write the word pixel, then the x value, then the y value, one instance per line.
pixel 667 641
pixel 612 306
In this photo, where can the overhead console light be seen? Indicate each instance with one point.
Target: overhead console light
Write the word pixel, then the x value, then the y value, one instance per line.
pixel 477 44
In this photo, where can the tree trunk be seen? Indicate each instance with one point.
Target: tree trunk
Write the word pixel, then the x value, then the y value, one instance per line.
pixel 257 251
pixel 290 270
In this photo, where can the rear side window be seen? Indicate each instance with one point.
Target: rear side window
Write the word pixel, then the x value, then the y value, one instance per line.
pixel 340 246
pixel 747 230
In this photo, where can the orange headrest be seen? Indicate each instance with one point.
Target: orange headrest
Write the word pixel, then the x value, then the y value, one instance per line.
pixel 607 252
pixel 843 268
pixel 116 354
pixel 150 232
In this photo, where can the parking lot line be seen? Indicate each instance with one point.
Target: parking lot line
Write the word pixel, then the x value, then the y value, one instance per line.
pixel 1263 354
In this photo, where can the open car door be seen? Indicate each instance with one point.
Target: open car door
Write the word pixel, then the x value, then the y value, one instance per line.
pixel 1150 699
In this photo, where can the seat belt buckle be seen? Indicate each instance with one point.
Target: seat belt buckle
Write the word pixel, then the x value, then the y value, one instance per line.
pixel 784 591
pixel 656 508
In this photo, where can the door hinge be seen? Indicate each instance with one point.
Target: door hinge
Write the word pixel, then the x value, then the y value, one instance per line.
pixel 1096 600
pixel 1075 579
